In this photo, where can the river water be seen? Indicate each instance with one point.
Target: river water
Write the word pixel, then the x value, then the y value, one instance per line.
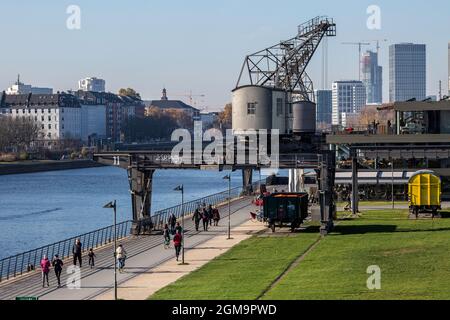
pixel 42 208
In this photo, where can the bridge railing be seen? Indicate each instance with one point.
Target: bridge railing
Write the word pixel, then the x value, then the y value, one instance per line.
pixel 24 262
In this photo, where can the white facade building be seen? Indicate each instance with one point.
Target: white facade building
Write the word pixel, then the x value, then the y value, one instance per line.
pixel 349 97
pixel 92 84
pixel 21 88
pixel 93 121
pixel 58 115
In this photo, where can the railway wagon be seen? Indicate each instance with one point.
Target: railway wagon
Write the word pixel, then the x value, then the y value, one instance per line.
pixel 424 192
pixel 285 209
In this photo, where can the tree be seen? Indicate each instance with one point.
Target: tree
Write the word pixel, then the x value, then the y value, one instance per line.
pixel 129 92
pixel 225 117
pixel 18 133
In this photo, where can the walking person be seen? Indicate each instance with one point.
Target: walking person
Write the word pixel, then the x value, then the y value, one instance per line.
pixel 57 264
pixel 172 222
pixel 121 255
pixel 45 266
pixel 210 214
pixel 166 234
pixel 205 219
pixel 91 256
pixel 177 240
pixel 216 216
pixel 76 251
pixel 196 218
pixel 179 228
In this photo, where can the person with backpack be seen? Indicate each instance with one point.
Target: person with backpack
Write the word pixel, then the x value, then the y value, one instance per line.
pixel 45 266
pixel 166 234
pixel 177 240
pixel 121 255
pixel 57 264
pixel 196 218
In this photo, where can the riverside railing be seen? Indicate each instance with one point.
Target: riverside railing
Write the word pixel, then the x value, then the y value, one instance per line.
pixel 25 262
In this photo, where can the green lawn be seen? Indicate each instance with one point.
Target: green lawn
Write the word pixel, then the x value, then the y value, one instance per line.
pixel 243 272
pixel 414 257
pixel 373 203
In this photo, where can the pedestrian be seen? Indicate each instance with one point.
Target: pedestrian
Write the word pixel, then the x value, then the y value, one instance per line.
pixel 57 264
pixel 205 219
pixel 178 228
pixel 76 251
pixel 210 214
pixel 166 234
pixel 121 256
pixel 91 256
pixel 45 266
pixel 177 240
pixel 196 218
pixel 216 216
pixel 172 222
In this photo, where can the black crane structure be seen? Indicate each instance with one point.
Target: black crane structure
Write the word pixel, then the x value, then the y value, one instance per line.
pixel 282 66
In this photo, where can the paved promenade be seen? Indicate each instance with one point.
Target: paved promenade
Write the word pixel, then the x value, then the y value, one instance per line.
pixel 146 255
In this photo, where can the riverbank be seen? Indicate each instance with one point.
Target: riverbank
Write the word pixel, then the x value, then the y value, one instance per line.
pixel 21 167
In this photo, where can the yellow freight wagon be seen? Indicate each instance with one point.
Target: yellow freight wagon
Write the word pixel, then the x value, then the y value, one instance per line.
pixel 424 190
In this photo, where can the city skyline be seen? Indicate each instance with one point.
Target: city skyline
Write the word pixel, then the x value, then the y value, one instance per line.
pixel 161 46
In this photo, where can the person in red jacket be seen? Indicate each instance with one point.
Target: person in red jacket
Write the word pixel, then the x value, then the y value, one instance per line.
pixel 177 243
pixel 45 266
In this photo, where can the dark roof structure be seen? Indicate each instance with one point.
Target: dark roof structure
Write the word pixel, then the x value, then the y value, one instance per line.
pixel 165 103
pixel 39 100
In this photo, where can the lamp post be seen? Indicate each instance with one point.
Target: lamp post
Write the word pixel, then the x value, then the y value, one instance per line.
pixel 181 188
pixel 113 205
pixel 392 190
pixel 228 177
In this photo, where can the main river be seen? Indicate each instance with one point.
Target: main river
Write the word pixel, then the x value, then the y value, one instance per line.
pixel 42 208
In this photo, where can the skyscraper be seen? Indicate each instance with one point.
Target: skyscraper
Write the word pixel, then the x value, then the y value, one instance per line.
pixel 372 75
pixel 349 97
pixel 449 68
pixel 407 72
pixel 324 108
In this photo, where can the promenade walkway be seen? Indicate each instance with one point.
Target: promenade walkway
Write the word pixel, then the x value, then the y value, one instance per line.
pixel 145 253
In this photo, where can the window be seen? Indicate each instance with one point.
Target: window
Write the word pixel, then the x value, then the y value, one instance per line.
pixel 251 108
pixel 49 118
pixel 279 106
pixel 49 126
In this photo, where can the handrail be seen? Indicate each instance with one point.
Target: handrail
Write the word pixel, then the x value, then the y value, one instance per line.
pixel 27 261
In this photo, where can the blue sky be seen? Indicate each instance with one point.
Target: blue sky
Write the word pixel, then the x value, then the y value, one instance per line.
pixel 199 45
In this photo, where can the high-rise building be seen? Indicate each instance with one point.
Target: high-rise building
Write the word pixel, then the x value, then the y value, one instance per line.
pixel 92 84
pixel 349 97
pixel 324 109
pixel 407 72
pixel 372 75
pixel 449 68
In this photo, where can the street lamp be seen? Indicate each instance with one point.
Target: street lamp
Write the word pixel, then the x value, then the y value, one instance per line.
pixel 392 190
pixel 228 177
pixel 181 188
pixel 113 205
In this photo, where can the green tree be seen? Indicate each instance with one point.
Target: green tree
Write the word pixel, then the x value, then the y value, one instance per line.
pixel 129 92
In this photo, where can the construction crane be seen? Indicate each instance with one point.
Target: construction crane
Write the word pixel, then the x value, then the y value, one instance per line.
pixel 190 96
pixel 360 46
pixel 377 41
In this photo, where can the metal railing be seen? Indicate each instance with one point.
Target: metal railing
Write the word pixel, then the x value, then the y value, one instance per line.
pixel 24 262
pixel 19 264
